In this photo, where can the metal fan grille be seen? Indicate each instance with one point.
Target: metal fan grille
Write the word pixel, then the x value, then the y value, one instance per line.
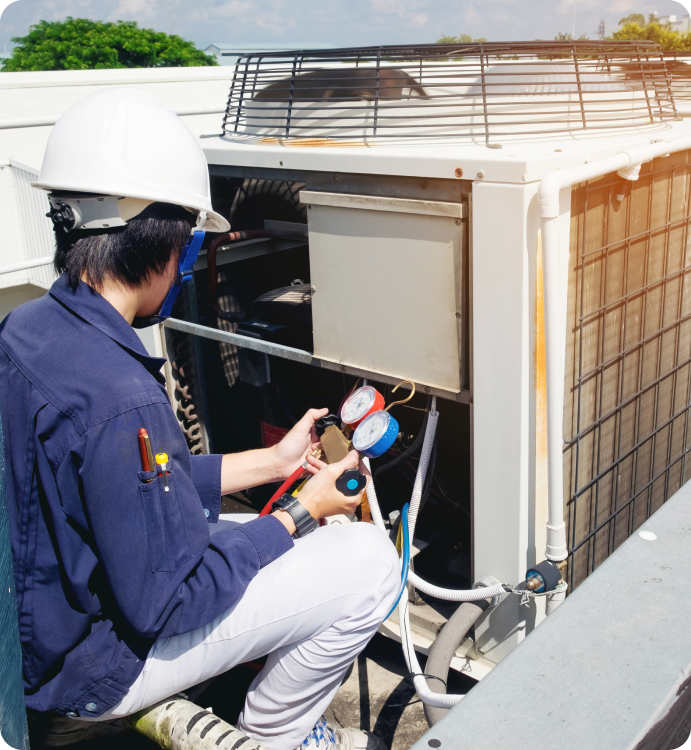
pixel 483 90
pixel 628 356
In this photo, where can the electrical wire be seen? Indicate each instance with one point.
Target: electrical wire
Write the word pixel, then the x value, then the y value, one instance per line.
pixel 406 558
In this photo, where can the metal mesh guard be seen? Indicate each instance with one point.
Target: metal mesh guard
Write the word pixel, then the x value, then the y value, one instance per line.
pixel 628 356
pixel 482 90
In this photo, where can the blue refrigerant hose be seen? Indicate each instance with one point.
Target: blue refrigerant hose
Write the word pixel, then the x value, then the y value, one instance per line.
pixel 406 557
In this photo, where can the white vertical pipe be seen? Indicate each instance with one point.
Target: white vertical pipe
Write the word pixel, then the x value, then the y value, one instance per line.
pixel 556 529
pixel 548 197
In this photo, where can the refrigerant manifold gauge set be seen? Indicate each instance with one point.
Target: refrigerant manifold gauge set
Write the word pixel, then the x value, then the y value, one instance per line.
pixel 375 429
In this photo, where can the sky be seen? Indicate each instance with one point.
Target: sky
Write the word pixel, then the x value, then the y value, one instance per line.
pixel 346 23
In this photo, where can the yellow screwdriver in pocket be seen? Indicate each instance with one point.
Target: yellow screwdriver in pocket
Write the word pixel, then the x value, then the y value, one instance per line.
pixel 162 468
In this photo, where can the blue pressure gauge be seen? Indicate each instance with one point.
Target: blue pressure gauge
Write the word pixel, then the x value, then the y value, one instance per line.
pixel 375 434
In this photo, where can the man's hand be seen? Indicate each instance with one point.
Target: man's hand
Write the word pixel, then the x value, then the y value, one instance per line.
pixel 320 496
pixel 299 443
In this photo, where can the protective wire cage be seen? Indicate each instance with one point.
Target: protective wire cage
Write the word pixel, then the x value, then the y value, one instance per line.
pixel 482 90
pixel 628 356
pixel 678 69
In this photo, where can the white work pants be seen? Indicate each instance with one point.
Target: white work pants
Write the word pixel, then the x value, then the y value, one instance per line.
pixel 313 611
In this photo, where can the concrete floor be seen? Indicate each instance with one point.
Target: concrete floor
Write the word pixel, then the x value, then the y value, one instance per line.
pixel 377 696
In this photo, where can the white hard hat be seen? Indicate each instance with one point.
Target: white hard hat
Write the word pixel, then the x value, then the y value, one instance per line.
pixel 124 142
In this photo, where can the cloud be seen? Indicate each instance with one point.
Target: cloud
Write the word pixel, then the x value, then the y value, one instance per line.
pixel 275 17
pixel 57 10
pixel 343 23
pixel 621 6
pixel 471 15
pixel 134 10
pixel 566 6
pixel 242 9
pixel 406 10
pixel 388 6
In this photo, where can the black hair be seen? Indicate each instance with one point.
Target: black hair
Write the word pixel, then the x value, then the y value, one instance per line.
pixel 127 255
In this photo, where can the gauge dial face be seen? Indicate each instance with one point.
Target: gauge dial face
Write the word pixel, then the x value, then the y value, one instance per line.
pixel 358 404
pixel 370 430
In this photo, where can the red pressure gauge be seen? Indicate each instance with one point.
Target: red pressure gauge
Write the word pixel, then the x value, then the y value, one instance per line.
pixel 360 404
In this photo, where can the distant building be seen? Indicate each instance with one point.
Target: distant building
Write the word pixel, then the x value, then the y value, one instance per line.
pixel 227 54
pixel 678 23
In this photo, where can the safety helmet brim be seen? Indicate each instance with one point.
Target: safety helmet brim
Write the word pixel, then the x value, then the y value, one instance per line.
pixel 124 142
pixel 215 222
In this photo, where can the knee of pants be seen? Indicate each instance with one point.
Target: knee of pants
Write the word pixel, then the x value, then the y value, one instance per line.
pixel 371 555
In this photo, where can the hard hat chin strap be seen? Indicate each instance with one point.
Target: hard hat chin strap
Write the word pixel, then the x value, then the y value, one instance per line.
pixel 188 257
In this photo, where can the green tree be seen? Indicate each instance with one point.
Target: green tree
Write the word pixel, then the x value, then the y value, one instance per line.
pixel 562 37
pixel 667 37
pixel 81 44
pixel 638 18
pixel 460 39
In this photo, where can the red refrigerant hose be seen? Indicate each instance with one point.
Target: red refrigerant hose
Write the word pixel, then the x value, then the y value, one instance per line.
pixel 283 488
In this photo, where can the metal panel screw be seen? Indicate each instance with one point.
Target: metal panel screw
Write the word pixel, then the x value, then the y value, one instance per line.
pixel 480 175
pixel 458 172
pixel 458 315
pixel 423 185
pixel 426 389
pixel 457 222
pixel 335 178
pixel 343 368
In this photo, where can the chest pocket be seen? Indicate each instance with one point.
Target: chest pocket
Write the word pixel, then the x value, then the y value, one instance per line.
pixel 169 547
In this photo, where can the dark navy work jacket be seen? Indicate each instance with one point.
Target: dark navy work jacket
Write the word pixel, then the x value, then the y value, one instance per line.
pixel 106 561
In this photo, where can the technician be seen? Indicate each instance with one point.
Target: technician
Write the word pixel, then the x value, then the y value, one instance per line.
pixel 124 598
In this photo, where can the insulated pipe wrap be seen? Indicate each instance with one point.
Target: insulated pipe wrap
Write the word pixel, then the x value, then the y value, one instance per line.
pixel 425 454
pixel 443 650
pixel 421 688
pixel 454 595
pixel 426 695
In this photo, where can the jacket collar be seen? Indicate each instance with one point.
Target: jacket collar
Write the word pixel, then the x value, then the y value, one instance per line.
pixel 87 304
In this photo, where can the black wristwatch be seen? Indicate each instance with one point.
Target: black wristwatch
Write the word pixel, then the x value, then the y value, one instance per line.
pixel 304 523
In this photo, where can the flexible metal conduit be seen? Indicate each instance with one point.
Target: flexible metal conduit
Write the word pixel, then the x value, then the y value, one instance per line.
pixel 548 196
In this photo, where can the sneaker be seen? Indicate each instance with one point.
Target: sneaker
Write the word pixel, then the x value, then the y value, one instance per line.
pixel 62 730
pixel 326 737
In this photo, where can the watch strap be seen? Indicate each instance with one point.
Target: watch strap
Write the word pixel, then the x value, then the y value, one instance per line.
pixel 304 523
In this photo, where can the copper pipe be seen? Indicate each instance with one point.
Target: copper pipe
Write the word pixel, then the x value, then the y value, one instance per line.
pixel 225 239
